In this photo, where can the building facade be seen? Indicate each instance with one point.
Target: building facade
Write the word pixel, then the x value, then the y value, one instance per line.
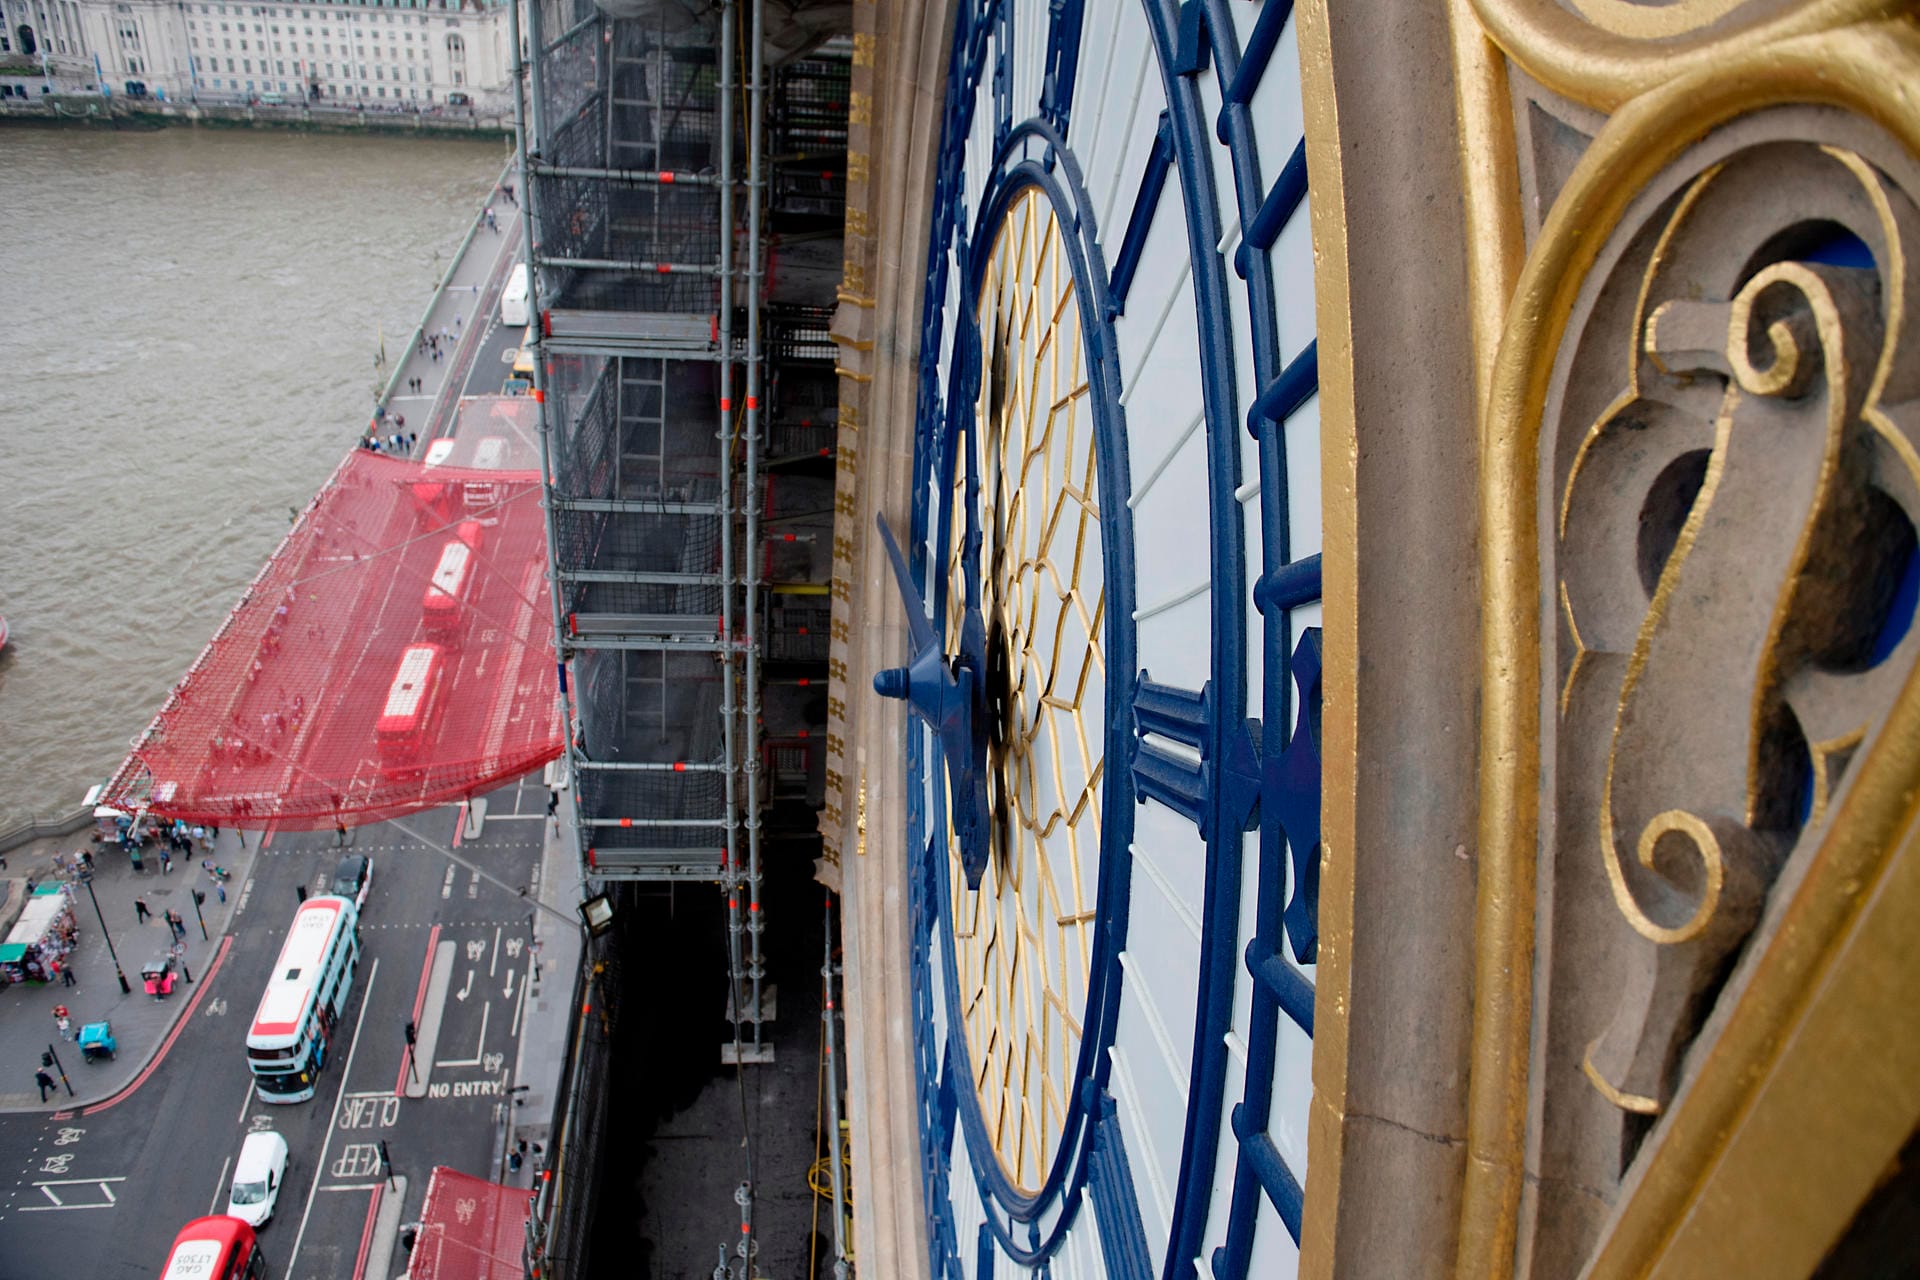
pixel 386 56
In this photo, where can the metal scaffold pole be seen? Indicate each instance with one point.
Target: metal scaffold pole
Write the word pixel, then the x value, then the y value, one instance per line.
pixel 830 1014
pixel 526 75
pixel 756 152
pixel 729 706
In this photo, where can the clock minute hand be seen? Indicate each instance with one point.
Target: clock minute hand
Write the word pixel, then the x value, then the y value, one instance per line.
pixel 943 692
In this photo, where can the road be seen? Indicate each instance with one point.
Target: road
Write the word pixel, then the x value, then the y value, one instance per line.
pixel 101 1192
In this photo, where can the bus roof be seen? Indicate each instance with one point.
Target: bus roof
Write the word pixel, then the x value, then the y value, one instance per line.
pixel 290 990
pixel 203 1245
pixel 452 569
pixel 410 681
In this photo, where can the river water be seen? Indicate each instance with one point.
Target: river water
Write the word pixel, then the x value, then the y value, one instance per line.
pixel 193 321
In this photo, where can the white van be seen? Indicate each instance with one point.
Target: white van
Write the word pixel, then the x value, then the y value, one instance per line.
pixel 257 1177
pixel 513 299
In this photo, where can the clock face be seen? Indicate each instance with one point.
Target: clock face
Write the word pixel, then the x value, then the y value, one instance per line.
pixel 1112 579
pixel 1027 479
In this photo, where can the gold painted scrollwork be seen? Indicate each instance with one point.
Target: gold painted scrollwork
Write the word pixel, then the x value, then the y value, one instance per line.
pixel 1747 433
pixel 1700 500
pixel 1602 52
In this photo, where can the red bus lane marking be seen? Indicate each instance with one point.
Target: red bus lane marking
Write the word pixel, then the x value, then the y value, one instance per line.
pixel 419 1002
pixel 366 1233
pixel 206 980
pixel 460 823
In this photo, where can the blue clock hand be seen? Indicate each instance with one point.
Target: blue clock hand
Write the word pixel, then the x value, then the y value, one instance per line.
pixel 944 692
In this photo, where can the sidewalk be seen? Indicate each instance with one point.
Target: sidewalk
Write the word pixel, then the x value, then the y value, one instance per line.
pixel 462 310
pixel 542 1058
pixel 141 1023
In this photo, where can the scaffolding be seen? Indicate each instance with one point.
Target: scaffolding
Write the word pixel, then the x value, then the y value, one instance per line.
pixel 686 429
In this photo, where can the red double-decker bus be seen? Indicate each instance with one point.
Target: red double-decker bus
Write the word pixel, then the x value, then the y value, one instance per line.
pixel 219 1248
pixel 444 608
pixel 407 717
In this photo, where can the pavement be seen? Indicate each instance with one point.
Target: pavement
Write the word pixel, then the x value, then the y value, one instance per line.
pixel 465 308
pixel 141 1023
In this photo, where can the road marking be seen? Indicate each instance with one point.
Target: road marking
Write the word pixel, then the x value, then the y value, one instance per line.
pixel 509 992
pixel 478 1053
pixel 519 1007
pixel 353 1186
pixel 319 1166
pixel 366 1233
pixel 369 1111
pixel 446 885
pixel 493 963
pixel 467 990
pixel 459 828
pixel 246 1100
pixel 46 1189
pixel 219 1187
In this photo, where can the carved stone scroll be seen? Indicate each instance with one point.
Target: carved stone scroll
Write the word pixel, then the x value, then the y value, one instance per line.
pixel 1734 566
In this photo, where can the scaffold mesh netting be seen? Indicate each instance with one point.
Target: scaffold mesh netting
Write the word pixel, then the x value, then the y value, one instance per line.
pixel 396 652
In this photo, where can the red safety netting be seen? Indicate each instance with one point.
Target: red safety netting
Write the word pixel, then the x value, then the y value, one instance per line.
pixel 396 652
pixel 470 1229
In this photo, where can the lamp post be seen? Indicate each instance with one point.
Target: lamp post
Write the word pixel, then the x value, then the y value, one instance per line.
pixel 198 898
pixel 125 987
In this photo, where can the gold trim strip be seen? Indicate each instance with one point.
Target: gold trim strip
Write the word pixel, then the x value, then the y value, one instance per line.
pixel 1862 70
pixel 1340 622
pixel 1603 69
pixel 1490 184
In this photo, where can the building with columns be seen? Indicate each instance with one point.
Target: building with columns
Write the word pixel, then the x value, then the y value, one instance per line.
pixel 410 56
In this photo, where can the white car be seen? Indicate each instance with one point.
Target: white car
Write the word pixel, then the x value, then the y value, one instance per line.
pixel 257 1177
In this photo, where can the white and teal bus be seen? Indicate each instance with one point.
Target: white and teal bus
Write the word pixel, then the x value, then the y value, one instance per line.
pixel 305 996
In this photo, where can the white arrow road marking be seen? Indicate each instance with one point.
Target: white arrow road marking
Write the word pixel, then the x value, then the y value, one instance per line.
pixel 463 992
pixel 509 984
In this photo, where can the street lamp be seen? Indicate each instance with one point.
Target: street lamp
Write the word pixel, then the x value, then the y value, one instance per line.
pixel 125 987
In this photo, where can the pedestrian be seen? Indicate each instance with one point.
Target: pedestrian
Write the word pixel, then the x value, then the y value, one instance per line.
pixel 221 887
pixel 141 911
pixel 340 834
pixel 66 976
pixel 45 1082
pixel 63 1021
pixel 553 802
pixel 400 420
pixel 166 861
pixel 413 439
pixel 200 833
pixel 177 923
pixel 301 890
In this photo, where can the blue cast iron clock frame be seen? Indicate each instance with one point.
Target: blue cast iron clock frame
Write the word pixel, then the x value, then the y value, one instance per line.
pixel 1246 779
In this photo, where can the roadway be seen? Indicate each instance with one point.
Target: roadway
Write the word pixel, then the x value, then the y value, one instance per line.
pixel 101 1191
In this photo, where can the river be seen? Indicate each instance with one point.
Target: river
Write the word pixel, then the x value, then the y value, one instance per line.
pixel 194 323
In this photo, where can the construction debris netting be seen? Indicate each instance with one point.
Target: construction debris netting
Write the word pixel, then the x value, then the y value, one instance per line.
pixel 394 654
pixel 470 1229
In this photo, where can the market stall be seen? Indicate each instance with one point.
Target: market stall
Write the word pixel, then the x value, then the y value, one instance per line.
pixel 40 941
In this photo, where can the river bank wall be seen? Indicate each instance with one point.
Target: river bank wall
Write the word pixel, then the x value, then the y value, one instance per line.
pixel 119 112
